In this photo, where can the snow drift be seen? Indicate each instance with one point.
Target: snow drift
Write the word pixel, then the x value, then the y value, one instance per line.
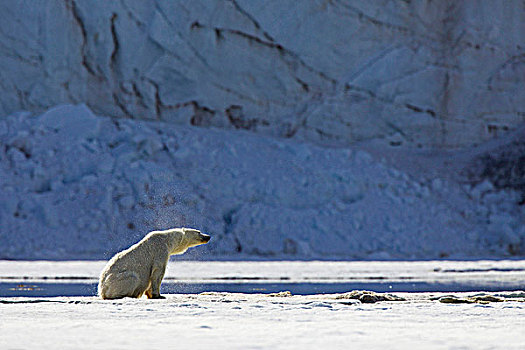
pixel 75 185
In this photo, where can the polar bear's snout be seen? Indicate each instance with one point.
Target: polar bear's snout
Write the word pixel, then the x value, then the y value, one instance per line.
pixel 205 238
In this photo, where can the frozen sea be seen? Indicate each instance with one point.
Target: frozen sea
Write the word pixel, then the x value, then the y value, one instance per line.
pixel 234 305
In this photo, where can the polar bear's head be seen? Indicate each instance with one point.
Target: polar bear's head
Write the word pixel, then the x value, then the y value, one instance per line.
pixel 195 237
pixel 189 238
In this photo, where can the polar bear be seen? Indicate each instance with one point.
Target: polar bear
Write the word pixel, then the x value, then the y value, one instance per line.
pixel 139 269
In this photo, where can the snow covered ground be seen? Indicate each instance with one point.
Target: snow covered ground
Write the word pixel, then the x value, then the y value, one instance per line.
pixel 248 321
pixel 271 321
pixel 75 185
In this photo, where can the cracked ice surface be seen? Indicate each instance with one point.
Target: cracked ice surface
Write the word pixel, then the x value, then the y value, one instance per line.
pixel 75 185
pixel 443 74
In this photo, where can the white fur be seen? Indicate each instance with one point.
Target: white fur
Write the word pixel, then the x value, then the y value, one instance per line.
pixel 139 269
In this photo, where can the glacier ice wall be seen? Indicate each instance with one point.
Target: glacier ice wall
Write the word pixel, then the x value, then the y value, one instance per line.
pixel 433 73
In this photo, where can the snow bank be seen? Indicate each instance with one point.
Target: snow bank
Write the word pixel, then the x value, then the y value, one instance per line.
pixel 79 186
pixel 442 73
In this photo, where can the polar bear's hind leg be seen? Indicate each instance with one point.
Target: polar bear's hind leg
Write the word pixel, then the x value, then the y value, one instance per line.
pixel 121 285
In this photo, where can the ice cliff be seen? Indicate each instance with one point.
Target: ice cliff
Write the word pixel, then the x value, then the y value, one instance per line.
pixel 279 127
pixel 430 73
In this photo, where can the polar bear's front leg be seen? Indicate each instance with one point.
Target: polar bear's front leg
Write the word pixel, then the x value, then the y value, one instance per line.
pixel 157 274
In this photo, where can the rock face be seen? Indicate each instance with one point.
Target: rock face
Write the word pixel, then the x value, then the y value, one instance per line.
pixel 436 73
pixel 502 164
